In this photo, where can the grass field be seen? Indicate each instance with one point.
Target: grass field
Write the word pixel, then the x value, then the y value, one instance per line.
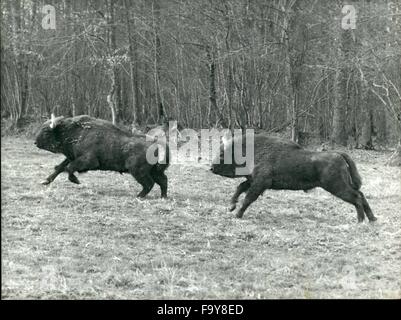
pixel 96 240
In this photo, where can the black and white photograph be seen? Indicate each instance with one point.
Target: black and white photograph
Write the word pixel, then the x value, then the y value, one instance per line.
pixel 200 150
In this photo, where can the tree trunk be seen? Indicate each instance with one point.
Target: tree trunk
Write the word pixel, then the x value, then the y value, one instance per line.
pixel 75 101
pixel 133 57
pixel 295 48
pixel 22 67
pixel 341 95
pixel 294 118
pixel 230 84
pixel 213 110
pixel 112 108
pixel 381 127
pixel 289 107
pixel 367 120
pixel 157 55
pixel 395 159
pixel 116 81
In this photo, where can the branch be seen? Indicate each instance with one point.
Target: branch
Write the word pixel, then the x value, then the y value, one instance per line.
pixel 378 95
pixel 395 89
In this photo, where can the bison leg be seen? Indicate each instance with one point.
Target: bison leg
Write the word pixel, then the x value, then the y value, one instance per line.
pixel 255 190
pixel 81 164
pixel 243 187
pixel 57 170
pixel 146 182
pixel 352 196
pixel 141 172
pixel 367 209
pixel 338 185
pixel 161 179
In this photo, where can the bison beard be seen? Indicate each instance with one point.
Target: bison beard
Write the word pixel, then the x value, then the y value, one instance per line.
pixel 95 144
pixel 280 164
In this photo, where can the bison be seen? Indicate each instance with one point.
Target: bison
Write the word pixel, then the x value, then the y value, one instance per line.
pixel 94 144
pixel 284 165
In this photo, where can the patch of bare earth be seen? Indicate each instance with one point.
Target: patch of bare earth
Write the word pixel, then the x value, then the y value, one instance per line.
pixel 96 240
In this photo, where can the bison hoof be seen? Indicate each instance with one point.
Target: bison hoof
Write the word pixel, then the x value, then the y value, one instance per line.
pixel 239 215
pixel 232 207
pixel 74 179
pixel 45 182
pixel 372 219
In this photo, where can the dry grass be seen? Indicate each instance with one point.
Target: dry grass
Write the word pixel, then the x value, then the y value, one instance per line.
pixel 96 240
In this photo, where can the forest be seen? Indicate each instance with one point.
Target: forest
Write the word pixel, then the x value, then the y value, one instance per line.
pixel 323 73
pixel 327 71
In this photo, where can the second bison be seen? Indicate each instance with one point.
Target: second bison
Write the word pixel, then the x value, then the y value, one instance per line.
pixel 282 164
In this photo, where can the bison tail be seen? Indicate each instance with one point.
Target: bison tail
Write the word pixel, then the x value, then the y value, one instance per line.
pixel 355 177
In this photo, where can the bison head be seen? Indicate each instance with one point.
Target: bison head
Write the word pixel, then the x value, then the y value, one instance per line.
pixel 47 136
pixel 223 164
pixel 231 161
pixel 225 170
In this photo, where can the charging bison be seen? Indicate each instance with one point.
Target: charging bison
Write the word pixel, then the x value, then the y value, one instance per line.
pixel 95 144
pixel 280 164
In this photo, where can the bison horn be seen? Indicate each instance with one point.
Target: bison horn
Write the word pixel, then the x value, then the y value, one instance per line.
pixel 53 121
